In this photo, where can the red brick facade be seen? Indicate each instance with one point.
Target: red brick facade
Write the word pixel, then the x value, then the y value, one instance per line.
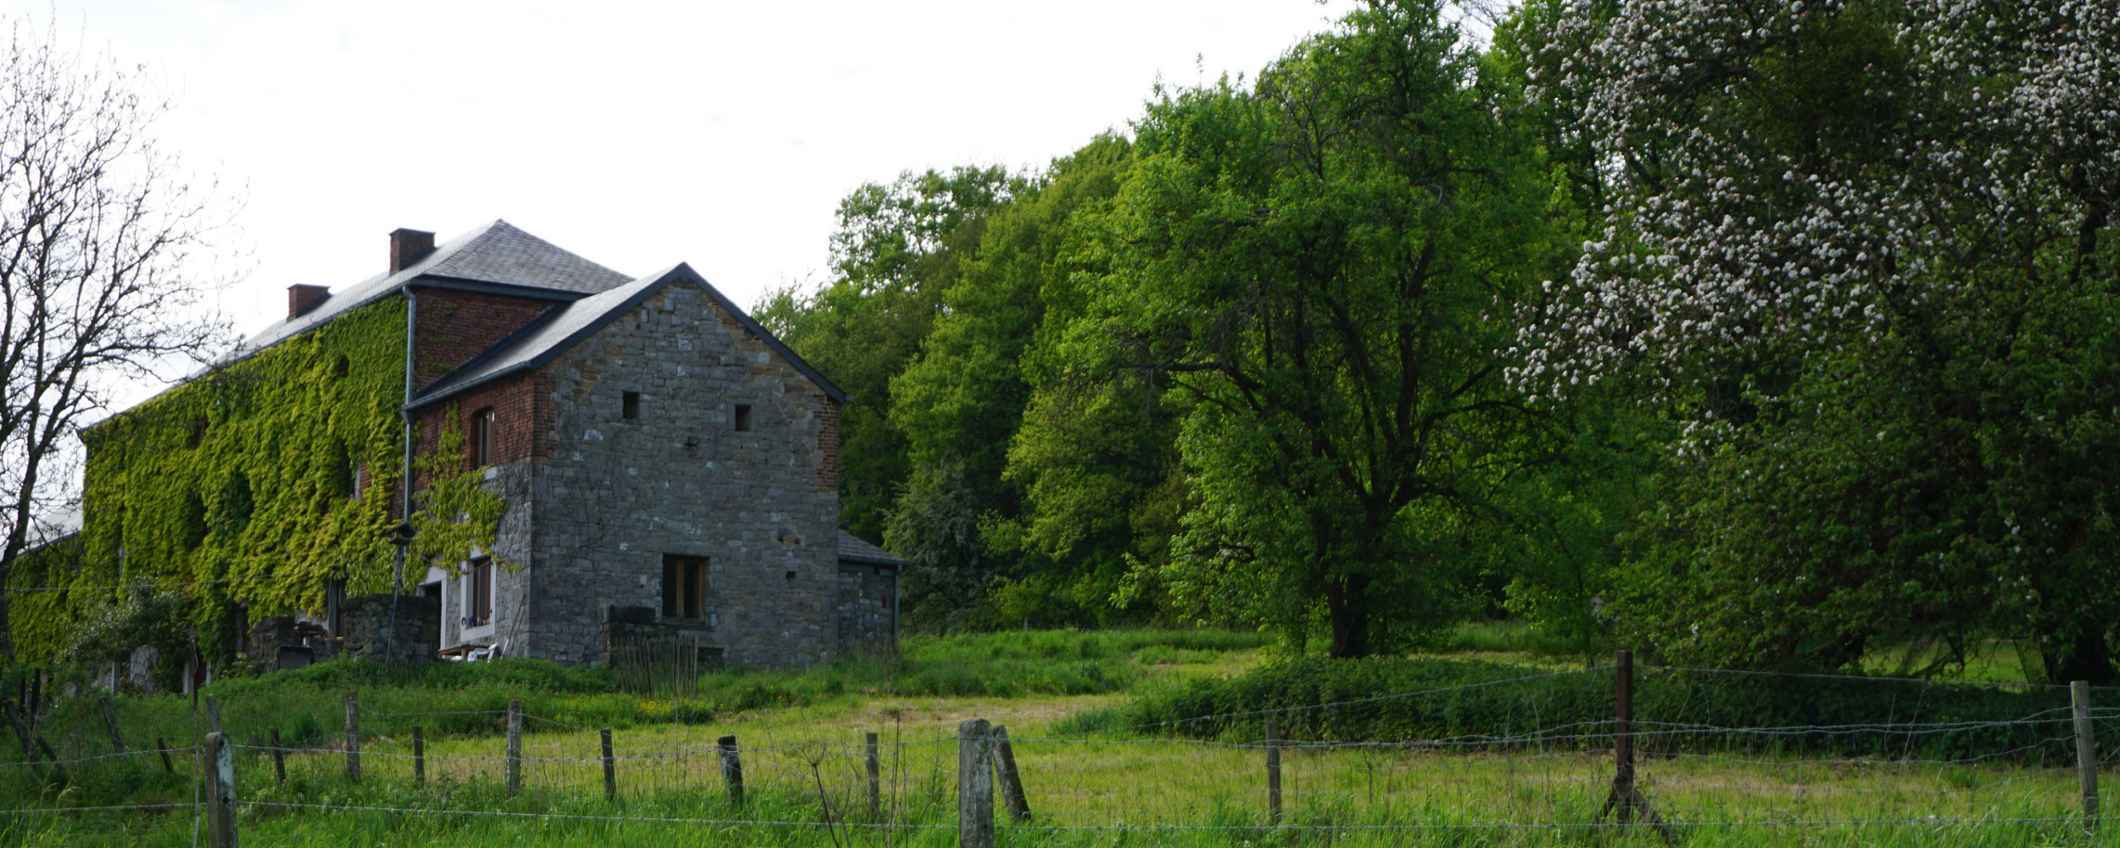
pixel 454 326
pixel 521 418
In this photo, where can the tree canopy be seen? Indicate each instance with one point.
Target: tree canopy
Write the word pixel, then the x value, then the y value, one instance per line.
pixel 1758 334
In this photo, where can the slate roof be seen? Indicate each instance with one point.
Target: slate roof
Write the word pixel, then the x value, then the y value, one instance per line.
pixel 853 549
pixel 497 253
pixel 561 328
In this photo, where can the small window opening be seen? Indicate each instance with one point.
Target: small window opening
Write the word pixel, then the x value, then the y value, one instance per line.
pixel 478 608
pixel 743 417
pixel 482 437
pixel 631 405
pixel 684 587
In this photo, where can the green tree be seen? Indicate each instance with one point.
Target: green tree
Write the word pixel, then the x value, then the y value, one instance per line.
pixel 897 248
pixel 1322 267
pixel 962 399
pixel 1863 254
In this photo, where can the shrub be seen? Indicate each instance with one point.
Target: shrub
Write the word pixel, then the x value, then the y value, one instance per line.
pixel 1394 699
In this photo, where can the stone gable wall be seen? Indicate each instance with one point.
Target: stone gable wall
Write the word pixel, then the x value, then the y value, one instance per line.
pixel 615 495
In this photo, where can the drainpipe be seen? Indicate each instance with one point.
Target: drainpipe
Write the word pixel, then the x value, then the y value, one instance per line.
pixel 402 535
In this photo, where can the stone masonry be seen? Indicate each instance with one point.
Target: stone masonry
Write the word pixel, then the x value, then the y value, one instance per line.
pixel 614 495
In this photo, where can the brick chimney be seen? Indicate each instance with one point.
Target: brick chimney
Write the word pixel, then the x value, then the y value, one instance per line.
pixel 301 299
pixel 408 247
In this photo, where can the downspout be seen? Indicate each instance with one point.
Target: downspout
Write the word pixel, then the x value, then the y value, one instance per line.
pixel 402 533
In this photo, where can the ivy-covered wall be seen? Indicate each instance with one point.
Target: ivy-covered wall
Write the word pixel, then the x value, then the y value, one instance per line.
pixel 254 485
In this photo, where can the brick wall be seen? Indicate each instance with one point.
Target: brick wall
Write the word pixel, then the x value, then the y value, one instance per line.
pixel 454 326
pixel 521 418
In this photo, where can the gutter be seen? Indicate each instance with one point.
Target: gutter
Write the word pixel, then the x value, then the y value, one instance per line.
pixel 402 537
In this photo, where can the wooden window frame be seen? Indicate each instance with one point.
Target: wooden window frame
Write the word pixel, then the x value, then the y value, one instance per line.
pixel 685 586
pixel 482 437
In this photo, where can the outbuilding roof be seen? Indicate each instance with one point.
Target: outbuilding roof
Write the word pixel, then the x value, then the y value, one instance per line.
pixel 853 549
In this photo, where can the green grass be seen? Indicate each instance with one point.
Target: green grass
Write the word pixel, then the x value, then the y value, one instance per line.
pixel 1088 784
pixel 306 706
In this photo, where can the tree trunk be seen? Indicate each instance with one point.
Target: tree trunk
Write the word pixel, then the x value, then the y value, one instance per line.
pixel 1347 605
pixel 2085 658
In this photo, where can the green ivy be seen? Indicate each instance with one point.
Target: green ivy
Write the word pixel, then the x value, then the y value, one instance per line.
pixel 238 487
pixel 457 513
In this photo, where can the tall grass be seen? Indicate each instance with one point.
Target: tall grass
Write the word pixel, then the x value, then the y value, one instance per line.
pixel 307 706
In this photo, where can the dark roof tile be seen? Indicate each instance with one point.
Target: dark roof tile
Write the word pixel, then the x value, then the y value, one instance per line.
pixel 853 549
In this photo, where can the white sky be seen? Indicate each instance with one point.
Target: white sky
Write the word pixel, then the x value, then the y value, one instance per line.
pixel 637 135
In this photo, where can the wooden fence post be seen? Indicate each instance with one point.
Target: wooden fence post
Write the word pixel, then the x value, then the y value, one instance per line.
pixel 731 768
pixel 1622 727
pixel 975 785
pixel 1273 776
pixel 1019 807
pixel 110 722
pixel 515 747
pixel 1626 800
pixel 162 747
pixel 52 757
pixel 213 714
pixel 218 766
pixel 875 777
pixel 353 735
pixel 610 769
pixel 419 755
pixel 2079 695
pixel 279 760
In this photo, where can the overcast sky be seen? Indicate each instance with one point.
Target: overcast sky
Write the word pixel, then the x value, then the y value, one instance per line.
pixel 721 134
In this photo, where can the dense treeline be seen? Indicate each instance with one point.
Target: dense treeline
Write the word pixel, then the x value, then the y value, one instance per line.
pixel 1768 334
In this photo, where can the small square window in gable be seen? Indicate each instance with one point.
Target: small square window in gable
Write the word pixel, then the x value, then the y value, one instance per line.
pixel 630 405
pixel 743 417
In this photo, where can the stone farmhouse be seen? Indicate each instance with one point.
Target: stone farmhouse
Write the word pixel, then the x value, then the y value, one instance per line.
pixel 669 468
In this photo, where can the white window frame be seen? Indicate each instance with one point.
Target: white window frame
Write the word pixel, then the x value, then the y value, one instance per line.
pixel 463 590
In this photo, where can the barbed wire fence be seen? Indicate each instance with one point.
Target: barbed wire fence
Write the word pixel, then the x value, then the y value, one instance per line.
pixel 1212 776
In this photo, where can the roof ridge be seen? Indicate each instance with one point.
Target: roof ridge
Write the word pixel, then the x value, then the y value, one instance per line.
pixel 493 362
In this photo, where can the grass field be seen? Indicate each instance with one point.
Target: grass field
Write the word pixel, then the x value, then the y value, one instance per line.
pixel 803 762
